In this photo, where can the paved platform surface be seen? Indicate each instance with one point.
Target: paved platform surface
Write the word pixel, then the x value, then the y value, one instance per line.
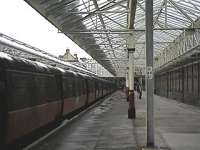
pixel 106 127
pixel 177 125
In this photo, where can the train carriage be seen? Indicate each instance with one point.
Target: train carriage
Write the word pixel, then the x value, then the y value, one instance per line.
pixel 91 90
pixel 34 95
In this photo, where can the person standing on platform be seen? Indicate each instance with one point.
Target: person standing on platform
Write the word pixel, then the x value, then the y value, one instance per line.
pixel 137 88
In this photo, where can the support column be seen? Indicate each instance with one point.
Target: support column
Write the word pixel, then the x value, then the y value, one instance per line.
pixel 149 71
pixel 131 50
pixel 132 4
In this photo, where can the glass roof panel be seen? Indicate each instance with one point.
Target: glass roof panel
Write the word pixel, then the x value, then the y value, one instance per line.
pixel 104 24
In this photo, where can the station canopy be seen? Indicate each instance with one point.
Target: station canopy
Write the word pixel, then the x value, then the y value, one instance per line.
pixel 100 27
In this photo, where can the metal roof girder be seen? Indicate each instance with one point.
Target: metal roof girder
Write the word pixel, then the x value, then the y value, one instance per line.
pixel 102 22
pixel 176 17
pixel 131 16
pixel 189 8
pixel 88 11
pixel 57 6
pixel 87 16
pixel 159 12
pixel 113 16
pixel 181 10
pixel 104 7
pixel 159 23
pixel 174 22
pixel 119 4
pixel 115 22
pixel 98 12
pixel 140 6
pixel 118 17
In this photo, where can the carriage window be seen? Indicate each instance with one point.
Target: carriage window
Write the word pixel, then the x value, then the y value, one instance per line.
pixel 30 89
pixel 2 81
pixel 21 88
pixel 68 87
pixel 84 86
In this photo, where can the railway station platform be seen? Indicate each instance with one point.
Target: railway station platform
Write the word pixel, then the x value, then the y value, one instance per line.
pixel 106 127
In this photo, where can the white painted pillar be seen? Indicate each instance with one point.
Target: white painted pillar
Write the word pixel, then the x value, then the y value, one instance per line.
pixel 131 69
pixel 127 83
pixel 131 50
